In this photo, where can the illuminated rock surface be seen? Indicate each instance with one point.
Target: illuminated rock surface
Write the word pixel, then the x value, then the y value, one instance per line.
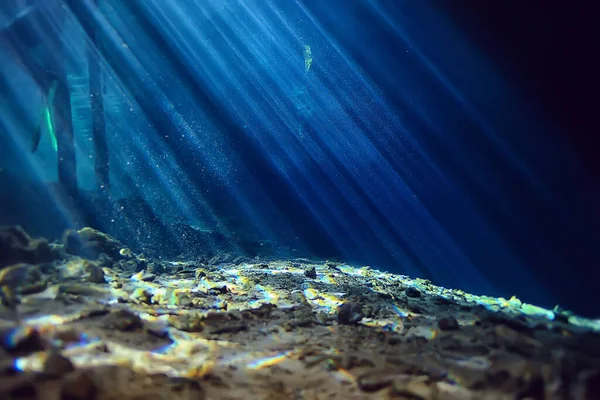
pixel 267 329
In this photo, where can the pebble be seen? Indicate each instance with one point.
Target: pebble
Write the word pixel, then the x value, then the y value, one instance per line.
pixel 414 308
pixel 123 320
pixel 217 290
pixel 415 388
pixel 235 328
pixel 200 273
pixel 125 252
pixel 187 322
pixel 57 365
pixel 179 298
pixel 23 278
pixel 96 274
pixel 21 340
pixel 156 268
pixel 350 313
pixel 143 276
pixel 373 384
pixel 78 386
pixel 333 266
pixel 311 272
pixel 142 295
pixel 412 292
pixel 448 324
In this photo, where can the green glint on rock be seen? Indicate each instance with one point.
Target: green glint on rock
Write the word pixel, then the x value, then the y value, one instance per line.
pixel 51 128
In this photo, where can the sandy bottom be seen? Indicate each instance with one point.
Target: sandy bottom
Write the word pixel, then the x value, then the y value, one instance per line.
pixel 130 328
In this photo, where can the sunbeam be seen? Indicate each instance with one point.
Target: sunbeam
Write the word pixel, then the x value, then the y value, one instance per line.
pixel 297 199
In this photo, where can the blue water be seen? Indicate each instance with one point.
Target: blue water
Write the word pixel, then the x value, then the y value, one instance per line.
pixel 402 146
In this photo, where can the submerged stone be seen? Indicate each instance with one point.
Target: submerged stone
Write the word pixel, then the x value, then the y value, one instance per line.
pixel 311 272
pixel 23 279
pixel 16 246
pixel 412 292
pixel 90 243
pixel 78 386
pixel 350 313
pixel 57 365
pixel 448 324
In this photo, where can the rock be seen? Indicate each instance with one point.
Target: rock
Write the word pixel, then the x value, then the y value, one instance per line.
pixel 412 292
pixel 82 269
pixel 448 324
pixel 123 320
pixel 139 265
pixel 415 388
pixel 234 328
pixel 561 315
pixel 350 313
pixel 220 305
pixel 518 324
pixel 240 260
pixel 191 388
pixel 21 341
pixel 143 276
pixel 156 268
pixel 372 384
pixel 300 316
pixel 142 295
pixel 96 274
pixel 16 246
pixel 56 365
pixel 71 336
pixel 311 272
pixel 217 290
pixel 78 386
pixel 90 243
pixel 441 301
pixel 192 322
pixel 414 308
pixel 23 279
pixel 82 289
pixel 148 277
pixel 200 273
pixel 125 252
pixel 173 297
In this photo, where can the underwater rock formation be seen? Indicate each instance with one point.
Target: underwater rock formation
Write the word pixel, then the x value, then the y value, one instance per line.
pixel 16 246
pixel 20 279
pixel 256 328
pixel 90 243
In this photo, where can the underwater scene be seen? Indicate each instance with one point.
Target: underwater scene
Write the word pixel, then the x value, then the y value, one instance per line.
pixel 297 199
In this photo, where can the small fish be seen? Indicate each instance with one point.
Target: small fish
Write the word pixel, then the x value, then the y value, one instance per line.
pixel 307 58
